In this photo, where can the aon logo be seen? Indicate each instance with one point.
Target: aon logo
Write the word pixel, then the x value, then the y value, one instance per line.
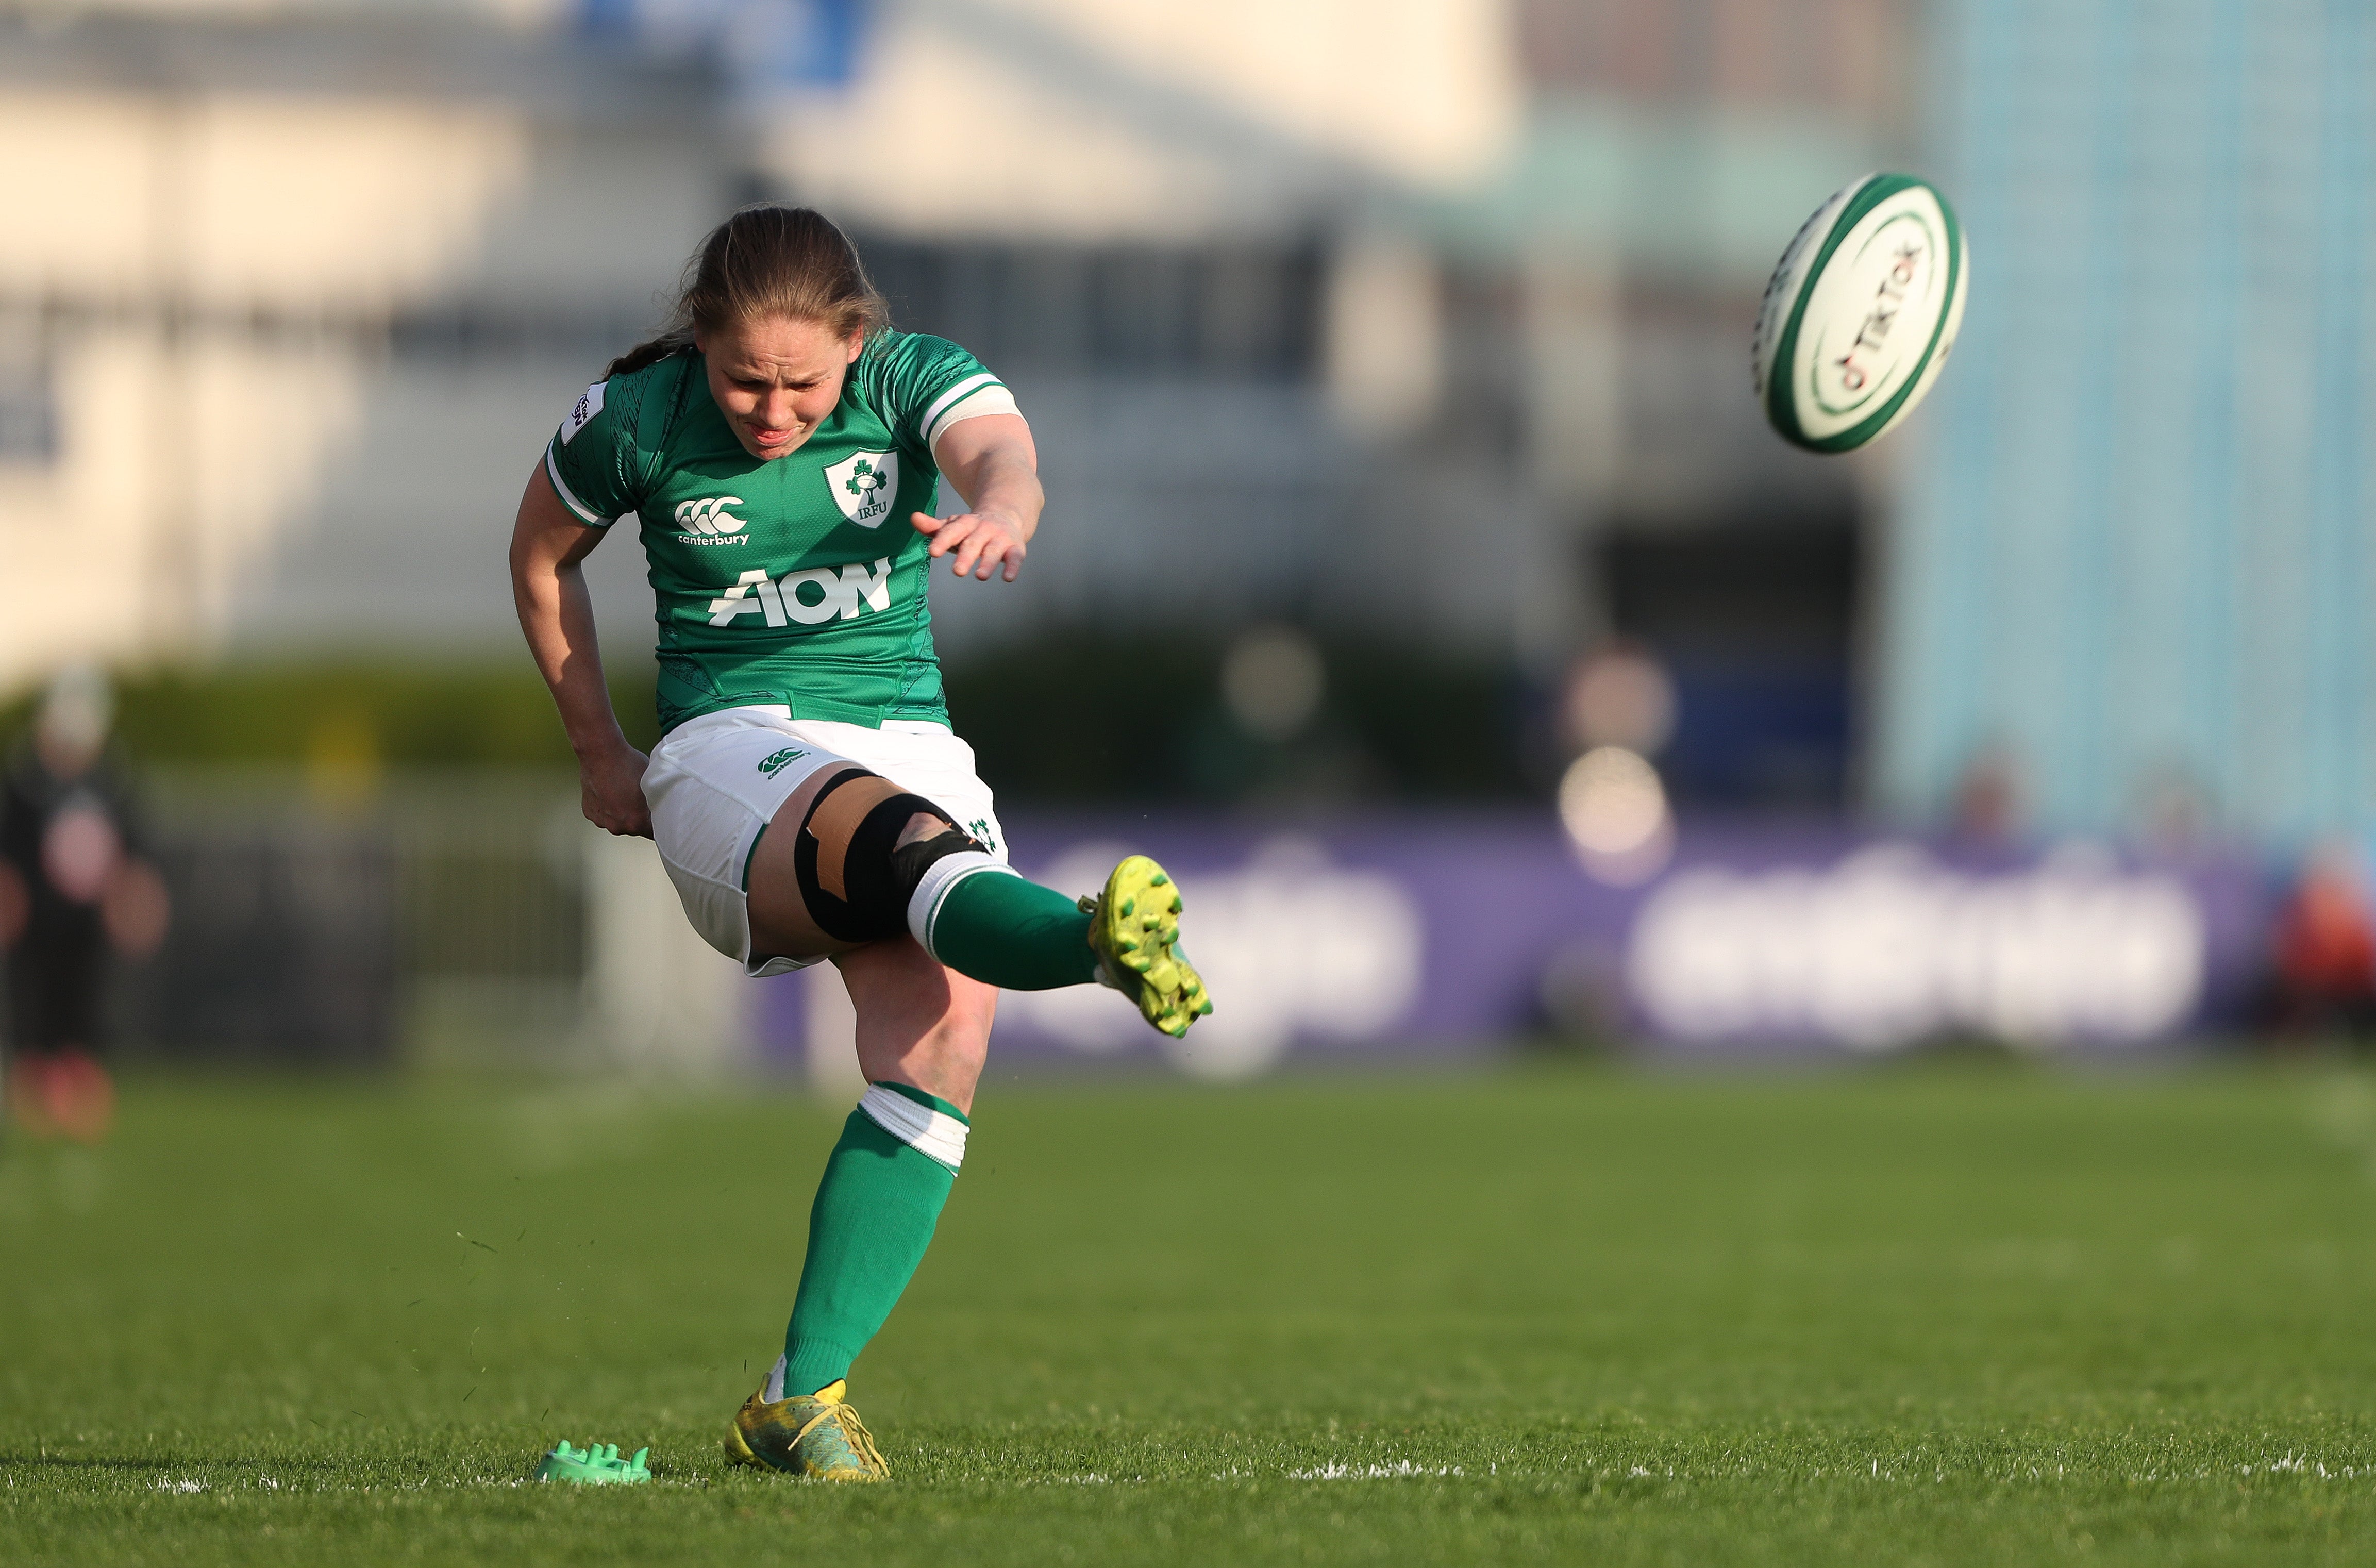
pixel 839 593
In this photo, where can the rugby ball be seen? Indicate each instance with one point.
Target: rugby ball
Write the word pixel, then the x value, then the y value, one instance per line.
pixel 1860 313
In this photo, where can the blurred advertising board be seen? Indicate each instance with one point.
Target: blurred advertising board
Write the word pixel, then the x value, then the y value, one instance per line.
pixel 1432 936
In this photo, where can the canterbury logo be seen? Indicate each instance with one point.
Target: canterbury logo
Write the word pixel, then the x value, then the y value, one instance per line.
pixel 774 765
pixel 709 515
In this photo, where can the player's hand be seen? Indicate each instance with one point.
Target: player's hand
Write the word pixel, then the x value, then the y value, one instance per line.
pixel 983 542
pixel 611 783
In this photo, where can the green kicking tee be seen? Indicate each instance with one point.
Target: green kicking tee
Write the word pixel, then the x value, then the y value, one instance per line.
pixel 796 579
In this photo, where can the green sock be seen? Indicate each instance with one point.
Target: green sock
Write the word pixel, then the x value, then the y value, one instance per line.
pixel 874 1218
pixel 1012 934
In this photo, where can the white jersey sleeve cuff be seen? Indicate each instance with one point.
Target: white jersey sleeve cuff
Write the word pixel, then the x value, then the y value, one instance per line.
pixel 967 400
pixel 585 513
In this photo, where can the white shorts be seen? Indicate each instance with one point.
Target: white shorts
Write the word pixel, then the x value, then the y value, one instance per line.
pixel 717 781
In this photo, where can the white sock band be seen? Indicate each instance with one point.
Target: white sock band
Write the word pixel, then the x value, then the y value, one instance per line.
pixel 924 905
pixel 935 1134
pixel 775 1388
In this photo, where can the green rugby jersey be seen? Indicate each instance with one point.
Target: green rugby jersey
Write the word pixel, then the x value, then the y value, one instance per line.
pixel 799 579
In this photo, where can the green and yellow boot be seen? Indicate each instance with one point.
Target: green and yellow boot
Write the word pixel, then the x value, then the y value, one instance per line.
pixel 1135 932
pixel 817 1435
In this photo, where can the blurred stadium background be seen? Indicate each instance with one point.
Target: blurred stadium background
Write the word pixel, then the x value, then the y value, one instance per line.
pixel 1392 356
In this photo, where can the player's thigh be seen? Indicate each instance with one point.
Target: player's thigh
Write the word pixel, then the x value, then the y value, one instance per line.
pixel 719 786
pixel 780 922
pixel 820 880
pixel 919 1022
pixel 929 759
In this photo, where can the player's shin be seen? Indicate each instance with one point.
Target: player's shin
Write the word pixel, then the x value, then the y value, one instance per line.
pixel 884 1186
pixel 871 859
pixel 984 920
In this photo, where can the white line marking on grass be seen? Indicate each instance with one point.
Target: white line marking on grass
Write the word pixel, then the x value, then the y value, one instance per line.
pixel 1399 1470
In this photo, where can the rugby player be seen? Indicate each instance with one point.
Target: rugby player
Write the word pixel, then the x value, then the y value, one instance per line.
pixel 779 448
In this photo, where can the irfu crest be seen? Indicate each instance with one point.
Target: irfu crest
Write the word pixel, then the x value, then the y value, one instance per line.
pixel 864 486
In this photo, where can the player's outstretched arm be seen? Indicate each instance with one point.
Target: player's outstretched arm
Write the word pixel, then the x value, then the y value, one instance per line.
pixel 557 615
pixel 990 461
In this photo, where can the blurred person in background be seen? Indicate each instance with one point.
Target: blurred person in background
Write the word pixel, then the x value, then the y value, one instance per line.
pixel 782 448
pixel 2324 949
pixel 74 891
pixel 1987 811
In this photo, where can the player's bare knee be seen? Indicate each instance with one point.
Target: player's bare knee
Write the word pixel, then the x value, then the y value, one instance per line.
pixel 862 848
pixel 923 824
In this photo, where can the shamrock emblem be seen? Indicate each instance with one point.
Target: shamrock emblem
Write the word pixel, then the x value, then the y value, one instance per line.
pixel 864 486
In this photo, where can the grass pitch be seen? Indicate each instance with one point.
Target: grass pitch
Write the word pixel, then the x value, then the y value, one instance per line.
pixel 1913 1317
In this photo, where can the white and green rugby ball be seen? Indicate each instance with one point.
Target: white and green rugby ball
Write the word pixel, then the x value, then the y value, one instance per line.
pixel 1860 313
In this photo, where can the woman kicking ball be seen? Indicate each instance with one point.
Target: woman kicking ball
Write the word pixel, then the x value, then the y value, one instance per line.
pixel 779 448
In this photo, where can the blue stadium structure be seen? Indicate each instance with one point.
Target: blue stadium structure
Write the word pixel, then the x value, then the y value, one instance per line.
pixel 2139 553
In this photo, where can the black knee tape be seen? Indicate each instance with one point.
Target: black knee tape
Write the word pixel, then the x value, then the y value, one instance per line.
pixel 878 874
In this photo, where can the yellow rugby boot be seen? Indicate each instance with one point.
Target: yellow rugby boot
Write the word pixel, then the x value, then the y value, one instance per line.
pixel 1135 932
pixel 817 1435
